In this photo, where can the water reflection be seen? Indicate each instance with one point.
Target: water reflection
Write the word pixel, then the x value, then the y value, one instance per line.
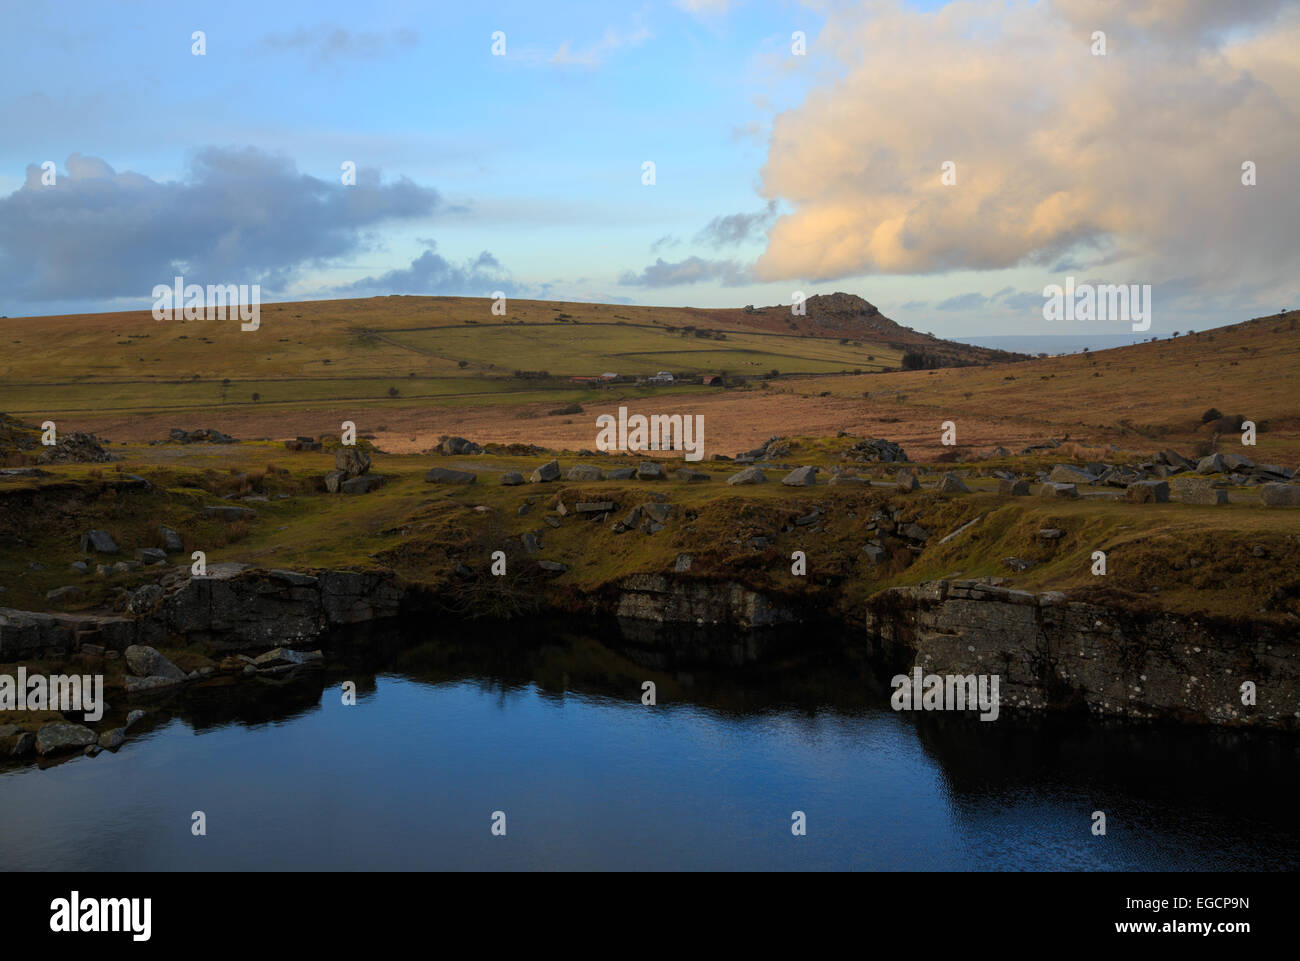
pixel 545 721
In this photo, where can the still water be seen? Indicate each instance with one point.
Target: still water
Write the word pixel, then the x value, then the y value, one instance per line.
pixel 547 726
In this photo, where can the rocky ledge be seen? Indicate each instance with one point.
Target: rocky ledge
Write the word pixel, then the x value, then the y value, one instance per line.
pixel 1056 654
pixel 231 608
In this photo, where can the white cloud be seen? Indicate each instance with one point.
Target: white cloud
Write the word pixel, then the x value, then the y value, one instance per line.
pixel 1136 154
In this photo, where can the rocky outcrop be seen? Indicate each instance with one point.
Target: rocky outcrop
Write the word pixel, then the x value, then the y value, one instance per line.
pixel 232 608
pixel 1052 653
pixel 654 597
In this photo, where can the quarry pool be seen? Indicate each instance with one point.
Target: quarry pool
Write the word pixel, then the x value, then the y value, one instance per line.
pixel 449 734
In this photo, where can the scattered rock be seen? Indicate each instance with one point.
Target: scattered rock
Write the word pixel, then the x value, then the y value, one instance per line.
pixel 145 661
pixel 100 541
pixel 206 435
pixel 75 448
pixel 801 477
pixel 750 475
pixel 280 656
pixel 1280 495
pixel 649 470
pixel 620 473
pixel 683 563
pixel 172 543
pixel 65 595
pixel 444 475
pixel 531 544
pixel 875 552
pixel 151 555
pixel 952 484
pixel 875 450
pixel 63 736
pixel 112 740
pixel 1016 488
pixel 457 446
pixel 1213 464
pixel 334 480
pixel 690 475
pixel 1066 474
pixel 1017 564
pixel 511 479
pixel 907 481
pixel 353 461
pixel 553 566
pixel 583 472
pixel 1198 490
pixel 1148 492
pixel 363 484
pixel 550 471
pixel 1062 491
pixel 145 600
pixel 226 512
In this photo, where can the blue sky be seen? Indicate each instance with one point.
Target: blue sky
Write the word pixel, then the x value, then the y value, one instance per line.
pixel 524 171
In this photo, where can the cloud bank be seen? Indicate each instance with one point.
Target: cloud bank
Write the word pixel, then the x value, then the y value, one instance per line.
pixel 1135 155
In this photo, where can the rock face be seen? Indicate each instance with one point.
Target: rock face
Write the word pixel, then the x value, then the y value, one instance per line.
pixel 1052 653
pixel 1280 495
pixel 654 597
pixel 444 475
pixel 232 608
pixel 1198 490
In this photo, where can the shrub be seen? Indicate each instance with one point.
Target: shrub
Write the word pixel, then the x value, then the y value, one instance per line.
pixel 1211 414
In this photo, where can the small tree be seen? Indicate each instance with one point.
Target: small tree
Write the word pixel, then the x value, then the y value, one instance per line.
pixel 256 397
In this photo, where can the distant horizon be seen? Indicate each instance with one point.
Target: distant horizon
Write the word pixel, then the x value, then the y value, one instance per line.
pixel 997 341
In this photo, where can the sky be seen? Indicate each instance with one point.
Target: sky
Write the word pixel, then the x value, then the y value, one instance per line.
pixel 796 147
